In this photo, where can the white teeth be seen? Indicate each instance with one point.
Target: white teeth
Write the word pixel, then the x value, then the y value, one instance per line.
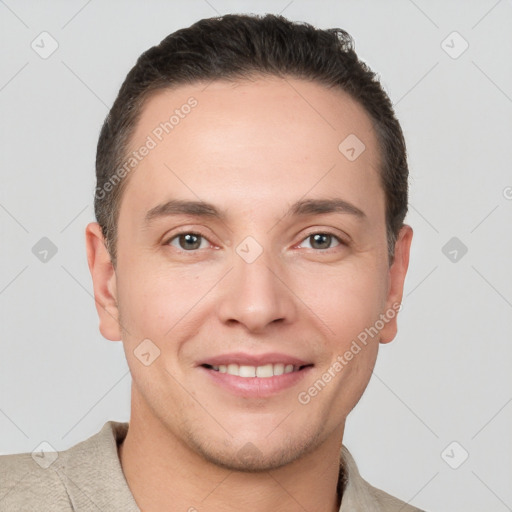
pixel 247 371
pixel 233 369
pixel 278 369
pixel 265 371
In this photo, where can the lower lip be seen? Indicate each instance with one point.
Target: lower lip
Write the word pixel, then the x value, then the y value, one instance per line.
pixel 256 387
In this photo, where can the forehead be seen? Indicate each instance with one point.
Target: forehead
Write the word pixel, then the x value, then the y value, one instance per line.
pixel 253 141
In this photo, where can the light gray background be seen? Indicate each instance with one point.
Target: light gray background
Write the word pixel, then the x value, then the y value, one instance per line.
pixel 445 378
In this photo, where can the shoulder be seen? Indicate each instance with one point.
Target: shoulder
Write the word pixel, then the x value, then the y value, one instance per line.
pixel 26 484
pixel 389 503
pixel 61 481
pixel 359 495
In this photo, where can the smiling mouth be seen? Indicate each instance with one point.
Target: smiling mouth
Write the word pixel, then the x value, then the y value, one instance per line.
pixel 264 371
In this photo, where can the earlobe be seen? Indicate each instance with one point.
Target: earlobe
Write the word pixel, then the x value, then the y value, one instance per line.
pixel 396 278
pixel 104 282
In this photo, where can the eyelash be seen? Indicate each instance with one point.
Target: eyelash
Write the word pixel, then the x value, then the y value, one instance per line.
pixel 309 235
pixel 327 233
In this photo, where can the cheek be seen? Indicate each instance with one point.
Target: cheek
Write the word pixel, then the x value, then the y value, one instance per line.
pixel 153 300
pixel 348 298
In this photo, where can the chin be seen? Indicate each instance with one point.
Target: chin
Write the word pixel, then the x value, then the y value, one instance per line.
pixel 251 457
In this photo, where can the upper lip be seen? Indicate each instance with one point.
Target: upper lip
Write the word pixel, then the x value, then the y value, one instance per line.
pixel 241 358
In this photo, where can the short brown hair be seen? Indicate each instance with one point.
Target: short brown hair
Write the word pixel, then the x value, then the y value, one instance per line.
pixel 236 47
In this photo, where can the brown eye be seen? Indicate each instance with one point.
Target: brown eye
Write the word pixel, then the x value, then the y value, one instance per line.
pixel 187 241
pixel 322 241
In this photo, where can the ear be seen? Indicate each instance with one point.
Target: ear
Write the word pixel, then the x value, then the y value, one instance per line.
pixel 396 278
pixel 104 282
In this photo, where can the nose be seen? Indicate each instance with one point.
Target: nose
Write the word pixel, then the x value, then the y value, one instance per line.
pixel 256 294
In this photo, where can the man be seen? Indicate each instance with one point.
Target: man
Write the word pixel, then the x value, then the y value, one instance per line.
pixel 250 253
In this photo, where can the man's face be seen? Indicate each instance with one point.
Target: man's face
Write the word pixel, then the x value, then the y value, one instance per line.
pixel 264 285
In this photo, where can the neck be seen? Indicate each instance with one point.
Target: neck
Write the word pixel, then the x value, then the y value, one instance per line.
pixel 164 474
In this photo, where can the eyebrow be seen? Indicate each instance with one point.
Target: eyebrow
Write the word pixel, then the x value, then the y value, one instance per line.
pixel 208 210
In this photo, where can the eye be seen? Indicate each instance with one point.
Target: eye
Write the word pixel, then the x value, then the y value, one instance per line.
pixel 188 241
pixel 322 241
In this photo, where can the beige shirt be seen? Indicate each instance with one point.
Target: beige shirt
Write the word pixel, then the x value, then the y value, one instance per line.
pixel 88 477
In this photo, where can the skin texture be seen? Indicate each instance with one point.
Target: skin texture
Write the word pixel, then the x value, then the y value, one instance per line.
pixel 252 148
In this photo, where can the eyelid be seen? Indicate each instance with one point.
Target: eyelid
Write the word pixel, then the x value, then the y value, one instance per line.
pixel 343 239
pixel 185 231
